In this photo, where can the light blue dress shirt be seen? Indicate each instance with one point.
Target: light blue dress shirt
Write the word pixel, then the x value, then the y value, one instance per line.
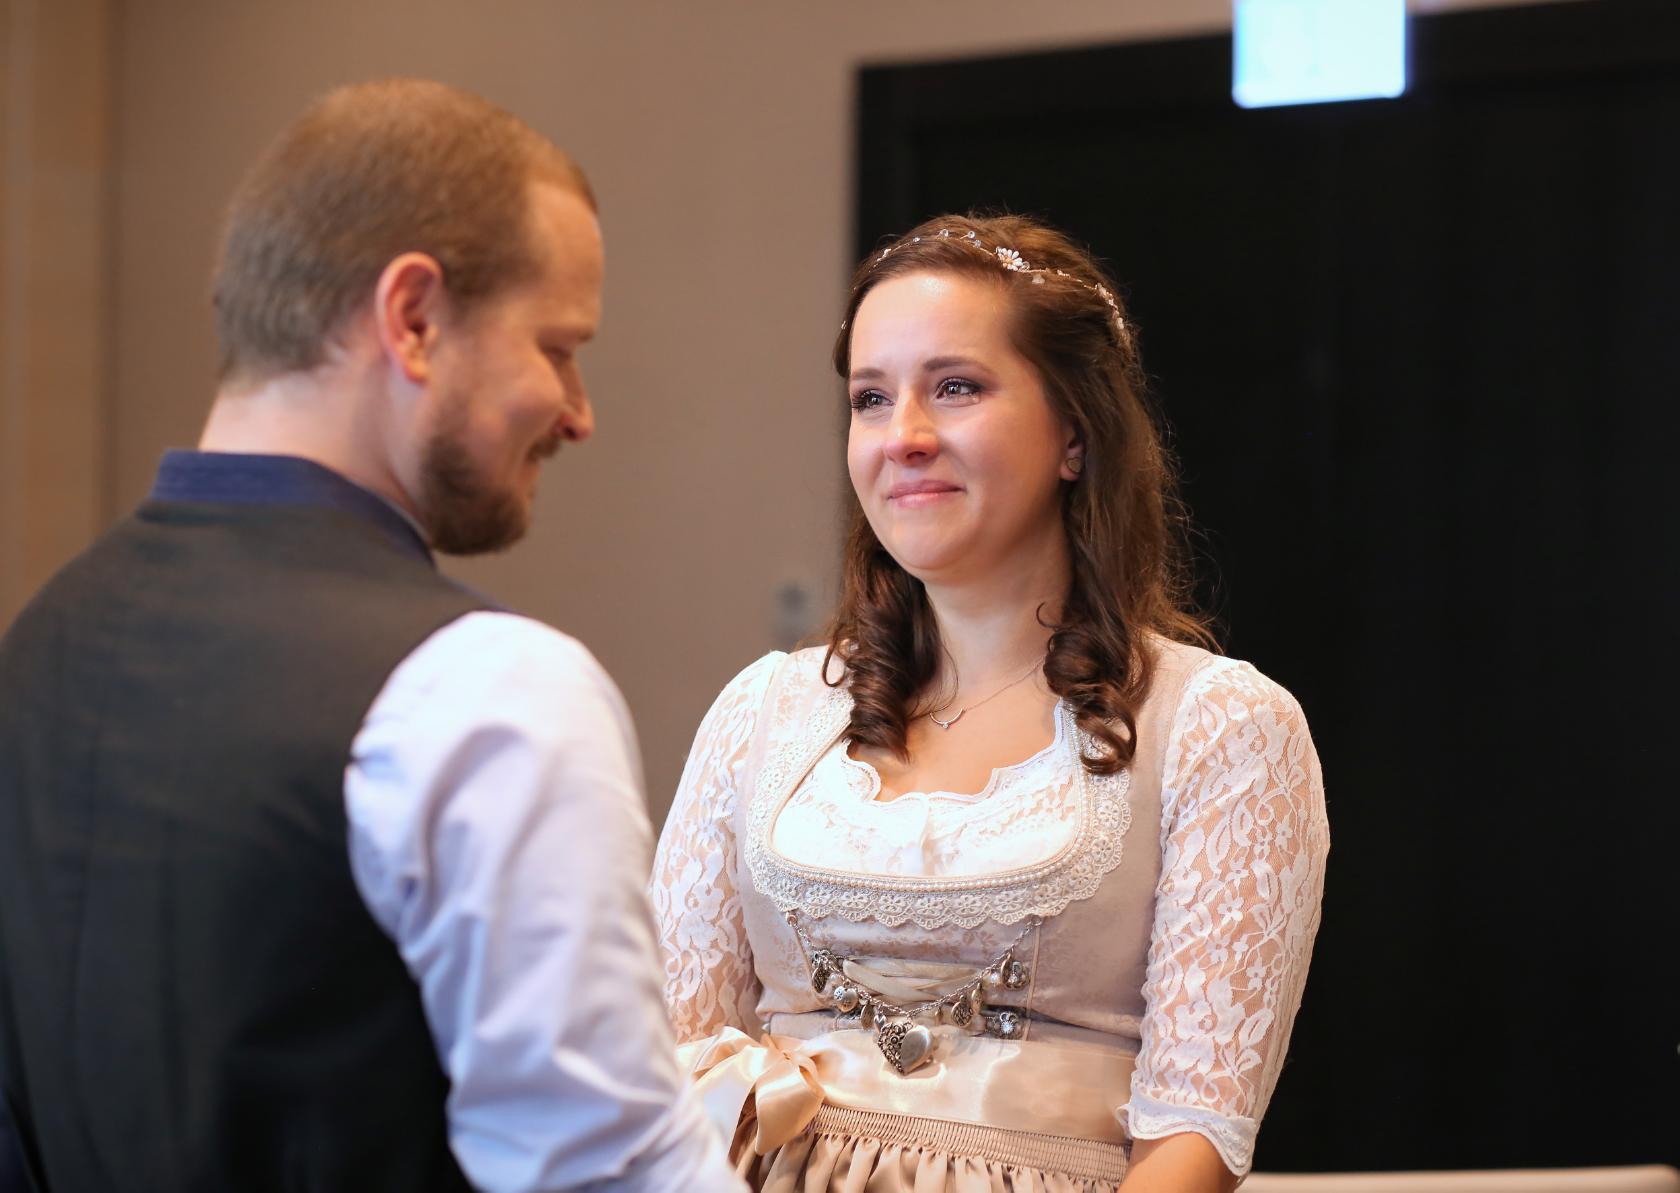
pixel 498 833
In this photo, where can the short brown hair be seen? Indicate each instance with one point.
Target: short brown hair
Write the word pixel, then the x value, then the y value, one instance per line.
pixel 1124 525
pixel 369 172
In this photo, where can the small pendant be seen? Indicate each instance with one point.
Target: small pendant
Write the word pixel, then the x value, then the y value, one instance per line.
pixel 904 1045
pixel 1015 975
pixel 845 998
pixel 822 968
pixel 1005 1025
pixel 952 721
pixel 961 1012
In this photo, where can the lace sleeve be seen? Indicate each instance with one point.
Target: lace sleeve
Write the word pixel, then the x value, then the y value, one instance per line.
pixel 709 979
pixel 1243 845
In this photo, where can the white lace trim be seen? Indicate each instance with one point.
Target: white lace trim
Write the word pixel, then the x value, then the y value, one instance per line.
pixel 1232 1137
pixel 1042 890
pixel 1028 770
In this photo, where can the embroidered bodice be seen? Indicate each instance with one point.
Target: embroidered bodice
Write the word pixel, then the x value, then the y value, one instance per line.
pixel 836 818
pixel 1178 898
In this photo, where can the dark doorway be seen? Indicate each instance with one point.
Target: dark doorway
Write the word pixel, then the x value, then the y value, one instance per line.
pixel 1418 357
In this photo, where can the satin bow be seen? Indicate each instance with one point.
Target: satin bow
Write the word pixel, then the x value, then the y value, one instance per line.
pixel 771 1082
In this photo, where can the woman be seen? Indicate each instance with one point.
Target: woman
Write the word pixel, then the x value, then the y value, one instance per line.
pixel 1020 883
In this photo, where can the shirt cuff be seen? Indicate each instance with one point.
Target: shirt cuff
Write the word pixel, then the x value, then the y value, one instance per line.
pixel 1232 1137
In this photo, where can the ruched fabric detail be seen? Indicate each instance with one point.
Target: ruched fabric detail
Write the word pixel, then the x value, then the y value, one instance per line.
pixel 851 1151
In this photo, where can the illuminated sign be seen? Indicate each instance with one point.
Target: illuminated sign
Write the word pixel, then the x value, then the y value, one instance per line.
pixel 1317 51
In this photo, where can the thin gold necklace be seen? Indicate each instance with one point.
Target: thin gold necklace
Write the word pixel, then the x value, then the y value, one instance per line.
pixel 993 696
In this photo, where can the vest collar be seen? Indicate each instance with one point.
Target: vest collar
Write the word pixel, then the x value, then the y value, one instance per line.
pixel 238 478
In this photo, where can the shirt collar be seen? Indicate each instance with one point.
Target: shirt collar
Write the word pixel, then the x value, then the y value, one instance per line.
pixel 238 478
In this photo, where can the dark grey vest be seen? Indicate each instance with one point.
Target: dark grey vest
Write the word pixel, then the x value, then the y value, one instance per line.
pixel 192 994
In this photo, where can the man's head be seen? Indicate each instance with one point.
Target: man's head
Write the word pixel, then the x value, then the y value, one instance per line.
pixel 445 259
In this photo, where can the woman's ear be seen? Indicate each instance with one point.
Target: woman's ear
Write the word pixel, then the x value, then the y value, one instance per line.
pixel 1073 458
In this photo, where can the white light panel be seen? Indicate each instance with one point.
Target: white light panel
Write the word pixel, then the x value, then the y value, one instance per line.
pixel 1317 51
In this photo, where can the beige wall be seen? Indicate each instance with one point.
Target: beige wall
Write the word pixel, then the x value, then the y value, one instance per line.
pixel 55 83
pixel 718 134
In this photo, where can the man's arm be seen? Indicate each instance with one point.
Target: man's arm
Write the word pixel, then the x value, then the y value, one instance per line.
pixel 498 832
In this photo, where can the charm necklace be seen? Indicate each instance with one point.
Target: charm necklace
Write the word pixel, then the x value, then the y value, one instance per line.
pixel 978 703
pixel 903 1039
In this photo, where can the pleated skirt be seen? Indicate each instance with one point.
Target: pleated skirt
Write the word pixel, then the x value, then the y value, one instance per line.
pixel 865 1151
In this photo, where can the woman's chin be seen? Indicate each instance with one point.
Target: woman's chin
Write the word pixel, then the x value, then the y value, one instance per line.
pixel 930 565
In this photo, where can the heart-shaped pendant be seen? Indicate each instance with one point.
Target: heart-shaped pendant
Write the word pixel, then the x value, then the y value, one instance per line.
pixel 905 1045
pixel 888 1037
pixel 916 1047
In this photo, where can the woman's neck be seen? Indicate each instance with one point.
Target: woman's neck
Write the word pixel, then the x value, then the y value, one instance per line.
pixel 992 629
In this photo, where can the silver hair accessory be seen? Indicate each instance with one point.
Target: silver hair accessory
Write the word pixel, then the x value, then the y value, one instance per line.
pixel 1012 261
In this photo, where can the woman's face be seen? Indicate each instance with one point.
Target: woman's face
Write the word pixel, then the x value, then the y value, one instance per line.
pixel 954 451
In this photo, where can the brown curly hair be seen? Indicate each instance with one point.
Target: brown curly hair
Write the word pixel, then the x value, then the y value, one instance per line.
pixel 1125 526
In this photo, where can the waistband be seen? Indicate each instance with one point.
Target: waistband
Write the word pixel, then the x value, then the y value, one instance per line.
pixel 1061 1081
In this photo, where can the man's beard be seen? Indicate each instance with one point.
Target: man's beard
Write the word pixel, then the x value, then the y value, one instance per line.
pixel 461 508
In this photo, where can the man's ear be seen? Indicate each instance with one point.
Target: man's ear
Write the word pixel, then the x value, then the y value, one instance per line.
pixel 409 303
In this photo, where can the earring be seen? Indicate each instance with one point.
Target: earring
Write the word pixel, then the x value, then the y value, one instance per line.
pixel 1075 464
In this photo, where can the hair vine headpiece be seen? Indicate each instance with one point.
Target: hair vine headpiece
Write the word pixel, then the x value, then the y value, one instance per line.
pixel 1011 260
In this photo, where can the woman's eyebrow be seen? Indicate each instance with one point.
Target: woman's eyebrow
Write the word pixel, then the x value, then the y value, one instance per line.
pixel 931 365
pixel 936 363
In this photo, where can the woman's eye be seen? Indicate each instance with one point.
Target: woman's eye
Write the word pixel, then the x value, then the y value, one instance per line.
pixel 869 399
pixel 956 387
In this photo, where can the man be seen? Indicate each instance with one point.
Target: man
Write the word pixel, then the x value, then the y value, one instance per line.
pixel 316 872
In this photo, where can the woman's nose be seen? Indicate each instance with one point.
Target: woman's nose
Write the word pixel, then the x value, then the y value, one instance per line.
pixel 910 435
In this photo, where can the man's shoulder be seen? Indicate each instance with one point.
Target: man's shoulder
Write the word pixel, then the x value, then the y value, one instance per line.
pixel 494 641
pixel 75 587
pixel 516 669
pixel 490 679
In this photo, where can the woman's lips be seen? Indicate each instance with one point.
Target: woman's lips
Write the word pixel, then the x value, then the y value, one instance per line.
pixel 915 494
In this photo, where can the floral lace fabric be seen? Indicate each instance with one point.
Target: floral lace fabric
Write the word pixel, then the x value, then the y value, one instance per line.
pixel 836 820
pixel 1228 925
pixel 709 978
pixel 1244 840
pixel 1032 880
